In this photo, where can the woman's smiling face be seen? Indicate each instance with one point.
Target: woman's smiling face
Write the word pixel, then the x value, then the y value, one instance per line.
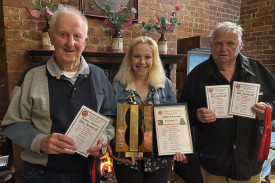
pixel 142 60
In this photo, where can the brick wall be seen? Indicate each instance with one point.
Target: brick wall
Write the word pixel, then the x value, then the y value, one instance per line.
pixel 258 20
pixel 198 17
pixel 24 32
pixel 4 95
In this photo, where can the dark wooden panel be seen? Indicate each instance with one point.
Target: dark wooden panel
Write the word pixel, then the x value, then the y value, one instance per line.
pixel 109 62
pixel 183 46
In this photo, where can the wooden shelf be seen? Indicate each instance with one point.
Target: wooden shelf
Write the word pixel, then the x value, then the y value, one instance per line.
pixel 109 62
pixel 102 58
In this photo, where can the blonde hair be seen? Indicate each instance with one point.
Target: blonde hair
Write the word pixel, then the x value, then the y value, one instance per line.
pixel 156 76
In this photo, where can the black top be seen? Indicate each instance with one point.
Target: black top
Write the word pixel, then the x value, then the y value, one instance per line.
pixel 228 147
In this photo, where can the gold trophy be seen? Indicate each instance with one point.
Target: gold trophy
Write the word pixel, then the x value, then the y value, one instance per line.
pixel 134 129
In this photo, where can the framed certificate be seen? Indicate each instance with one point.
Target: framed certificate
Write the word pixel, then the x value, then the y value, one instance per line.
pixel 173 129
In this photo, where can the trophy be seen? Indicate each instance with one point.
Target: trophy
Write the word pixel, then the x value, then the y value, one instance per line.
pixel 134 130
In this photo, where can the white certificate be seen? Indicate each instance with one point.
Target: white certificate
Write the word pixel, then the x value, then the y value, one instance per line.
pixel 218 100
pixel 244 96
pixel 86 128
pixel 173 129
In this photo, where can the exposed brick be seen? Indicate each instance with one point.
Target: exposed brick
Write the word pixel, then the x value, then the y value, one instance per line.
pixel 13 24
pixel 156 6
pixel 11 13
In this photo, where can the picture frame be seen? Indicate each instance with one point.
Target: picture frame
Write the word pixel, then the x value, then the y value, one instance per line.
pixel 95 8
pixel 173 131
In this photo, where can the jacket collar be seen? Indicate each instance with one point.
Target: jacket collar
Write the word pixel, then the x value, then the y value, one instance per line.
pixel 241 59
pixel 55 71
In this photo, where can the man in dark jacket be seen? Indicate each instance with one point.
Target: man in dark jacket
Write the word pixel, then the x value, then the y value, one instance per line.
pixel 228 147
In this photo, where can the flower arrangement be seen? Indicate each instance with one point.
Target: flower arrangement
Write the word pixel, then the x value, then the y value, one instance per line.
pixel 119 20
pixel 44 8
pixel 162 25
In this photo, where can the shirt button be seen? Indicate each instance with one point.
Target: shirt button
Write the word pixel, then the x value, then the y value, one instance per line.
pixel 74 89
pixel 234 146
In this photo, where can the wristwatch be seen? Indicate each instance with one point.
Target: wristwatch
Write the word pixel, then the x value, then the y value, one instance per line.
pixel 103 150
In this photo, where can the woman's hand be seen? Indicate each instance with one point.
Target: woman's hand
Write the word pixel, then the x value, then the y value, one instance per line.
pixel 130 161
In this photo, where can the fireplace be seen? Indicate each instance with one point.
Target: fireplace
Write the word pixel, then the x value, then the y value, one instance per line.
pixel 106 167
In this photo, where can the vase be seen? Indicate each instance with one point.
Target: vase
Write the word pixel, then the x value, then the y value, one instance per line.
pixel 162 44
pixel 46 43
pixel 117 42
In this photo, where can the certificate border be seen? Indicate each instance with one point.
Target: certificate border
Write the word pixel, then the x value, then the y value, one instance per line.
pixel 256 99
pixel 209 106
pixel 93 113
pixel 191 149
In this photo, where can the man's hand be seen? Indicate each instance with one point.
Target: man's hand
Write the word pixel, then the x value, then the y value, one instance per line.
pixel 57 143
pixel 179 157
pixel 259 108
pixel 205 115
pixel 95 151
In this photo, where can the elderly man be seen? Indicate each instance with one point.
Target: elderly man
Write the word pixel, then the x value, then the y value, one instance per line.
pixel 228 147
pixel 47 98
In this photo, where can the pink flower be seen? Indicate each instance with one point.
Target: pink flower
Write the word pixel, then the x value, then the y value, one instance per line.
pixel 27 10
pixel 133 15
pixel 127 24
pixel 161 31
pixel 158 24
pixel 158 19
pixel 120 7
pixel 172 28
pixel 47 12
pixel 177 8
pixel 174 14
pixel 35 13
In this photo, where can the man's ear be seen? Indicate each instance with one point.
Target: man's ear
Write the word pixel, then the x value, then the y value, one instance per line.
pixel 241 45
pixel 86 40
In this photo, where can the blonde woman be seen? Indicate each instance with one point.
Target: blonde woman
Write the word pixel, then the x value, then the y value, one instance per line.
pixel 142 77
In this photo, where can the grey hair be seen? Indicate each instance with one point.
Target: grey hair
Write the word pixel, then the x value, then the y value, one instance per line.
pixel 68 10
pixel 229 26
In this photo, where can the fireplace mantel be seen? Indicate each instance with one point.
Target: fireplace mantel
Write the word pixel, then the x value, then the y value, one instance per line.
pixel 109 62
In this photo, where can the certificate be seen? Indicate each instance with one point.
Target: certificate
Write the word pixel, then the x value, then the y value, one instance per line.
pixel 173 129
pixel 86 128
pixel 218 100
pixel 244 96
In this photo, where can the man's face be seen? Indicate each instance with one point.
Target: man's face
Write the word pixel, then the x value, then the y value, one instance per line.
pixel 225 47
pixel 68 38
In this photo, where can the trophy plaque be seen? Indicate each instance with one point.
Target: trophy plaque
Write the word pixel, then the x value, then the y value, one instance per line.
pixel 134 130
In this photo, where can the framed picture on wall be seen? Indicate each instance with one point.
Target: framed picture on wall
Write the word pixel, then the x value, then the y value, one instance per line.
pixel 96 8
